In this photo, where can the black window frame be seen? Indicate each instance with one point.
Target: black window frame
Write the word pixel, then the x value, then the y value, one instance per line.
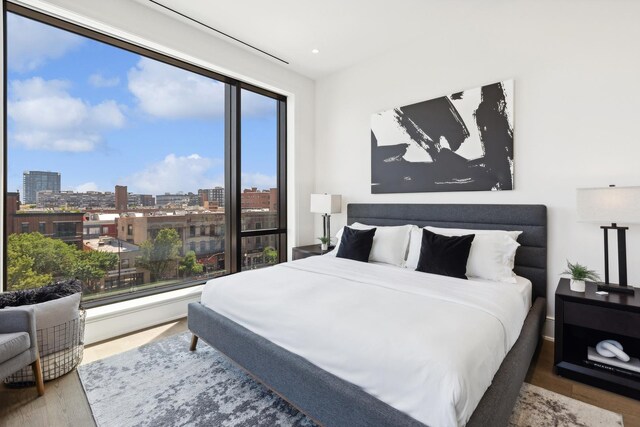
pixel 233 237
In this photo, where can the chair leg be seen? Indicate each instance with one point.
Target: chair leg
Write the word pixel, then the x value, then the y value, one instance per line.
pixel 194 342
pixel 37 373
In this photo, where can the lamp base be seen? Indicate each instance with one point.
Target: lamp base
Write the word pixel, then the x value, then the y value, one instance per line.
pixel 617 289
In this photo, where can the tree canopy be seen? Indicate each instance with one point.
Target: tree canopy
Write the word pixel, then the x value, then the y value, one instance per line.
pixel 189 265
pixel 34 260
pixel 270 255
pixel 161 254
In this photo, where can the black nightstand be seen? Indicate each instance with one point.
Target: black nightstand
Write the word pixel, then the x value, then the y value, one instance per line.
pixel 307 251
pixel 583 320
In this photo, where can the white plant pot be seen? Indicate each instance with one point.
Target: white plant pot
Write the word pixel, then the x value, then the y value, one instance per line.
pixel 577 285
pixel 324 246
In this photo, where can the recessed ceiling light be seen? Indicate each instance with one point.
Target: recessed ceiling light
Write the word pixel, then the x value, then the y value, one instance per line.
pixel 315 51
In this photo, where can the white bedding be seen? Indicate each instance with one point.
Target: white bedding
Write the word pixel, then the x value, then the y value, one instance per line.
pixel 426 345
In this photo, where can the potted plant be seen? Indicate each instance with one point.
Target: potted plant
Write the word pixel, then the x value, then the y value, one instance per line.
pixel 578 274
pixel 324 242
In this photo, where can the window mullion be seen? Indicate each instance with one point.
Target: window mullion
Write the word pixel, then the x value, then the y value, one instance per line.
pixel 282 178
pixel 233 177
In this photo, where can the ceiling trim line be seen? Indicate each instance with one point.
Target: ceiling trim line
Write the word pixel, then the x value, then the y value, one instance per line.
pixel 217 31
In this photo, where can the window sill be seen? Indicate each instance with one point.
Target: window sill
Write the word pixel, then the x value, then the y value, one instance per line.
pixel 109 321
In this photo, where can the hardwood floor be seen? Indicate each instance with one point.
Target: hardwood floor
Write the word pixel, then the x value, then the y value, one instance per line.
pixel 64 402
pixel 541 374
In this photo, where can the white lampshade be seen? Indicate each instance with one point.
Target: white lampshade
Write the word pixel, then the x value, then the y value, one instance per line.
pixel 619 205
pixel 326 203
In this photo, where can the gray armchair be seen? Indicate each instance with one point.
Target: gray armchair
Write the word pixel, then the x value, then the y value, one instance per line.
pixel 19 343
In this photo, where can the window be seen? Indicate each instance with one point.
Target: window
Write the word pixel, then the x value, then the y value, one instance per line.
pixel 42 228
pixel 194 154
pixel 64 229
pixel 262 184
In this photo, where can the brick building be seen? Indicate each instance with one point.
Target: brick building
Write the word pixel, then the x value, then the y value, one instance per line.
pixel 65 226
pixel 259 199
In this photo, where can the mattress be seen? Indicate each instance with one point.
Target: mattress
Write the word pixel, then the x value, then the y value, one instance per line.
pixel 426 345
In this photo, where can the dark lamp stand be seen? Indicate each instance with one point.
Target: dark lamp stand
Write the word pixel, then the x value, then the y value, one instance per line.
pixel 622 261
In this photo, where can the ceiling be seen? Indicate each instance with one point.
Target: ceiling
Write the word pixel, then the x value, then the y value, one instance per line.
pixel 344 31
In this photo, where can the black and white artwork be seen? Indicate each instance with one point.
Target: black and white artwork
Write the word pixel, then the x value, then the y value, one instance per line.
pixel 459 142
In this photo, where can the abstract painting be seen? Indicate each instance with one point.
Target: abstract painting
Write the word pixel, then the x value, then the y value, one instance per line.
pixel 459 142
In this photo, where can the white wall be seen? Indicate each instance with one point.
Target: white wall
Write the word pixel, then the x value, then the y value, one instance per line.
pixel 577 100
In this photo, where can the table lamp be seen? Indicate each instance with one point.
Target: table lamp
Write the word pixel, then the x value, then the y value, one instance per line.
pixel 326 204
pixel 614 205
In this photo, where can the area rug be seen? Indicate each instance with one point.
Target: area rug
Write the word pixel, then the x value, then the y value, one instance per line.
pixel 164 384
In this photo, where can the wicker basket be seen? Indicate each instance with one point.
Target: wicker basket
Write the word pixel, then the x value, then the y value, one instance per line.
pixel 61 348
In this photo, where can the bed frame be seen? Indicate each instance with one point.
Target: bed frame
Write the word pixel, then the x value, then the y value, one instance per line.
pixel 331 401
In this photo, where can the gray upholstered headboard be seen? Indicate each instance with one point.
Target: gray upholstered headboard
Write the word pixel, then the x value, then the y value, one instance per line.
pixel 531 258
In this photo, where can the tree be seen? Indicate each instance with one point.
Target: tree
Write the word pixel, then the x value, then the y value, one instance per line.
pixel 48 256
pixel 20 274
pixel 161 253
pixel 189 265
pixel 270 255
pixel 92 266
pixel 34 260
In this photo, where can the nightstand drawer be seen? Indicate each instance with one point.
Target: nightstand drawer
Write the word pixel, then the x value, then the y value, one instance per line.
pixel 602 319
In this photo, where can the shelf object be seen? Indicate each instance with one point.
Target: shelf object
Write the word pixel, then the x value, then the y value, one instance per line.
pixel 583 320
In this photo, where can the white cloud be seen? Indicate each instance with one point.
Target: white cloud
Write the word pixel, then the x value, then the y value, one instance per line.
pixel 169 92
pixel 173 174
pixel 258 180
pixel 87 186
pixel 98 80
pixel 47 117
pixel 30 44
pixel 254 104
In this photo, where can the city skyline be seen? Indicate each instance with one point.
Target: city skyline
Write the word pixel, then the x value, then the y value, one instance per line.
pixel 22 190
pixel 144 124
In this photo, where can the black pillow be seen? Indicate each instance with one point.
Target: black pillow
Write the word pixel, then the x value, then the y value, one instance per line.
pixel 443 255
pixel 356 244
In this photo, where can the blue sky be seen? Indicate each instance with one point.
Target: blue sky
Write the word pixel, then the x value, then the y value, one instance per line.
pixel 103 116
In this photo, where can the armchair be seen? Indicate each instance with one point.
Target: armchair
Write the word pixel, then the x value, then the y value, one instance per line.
pixel 19 343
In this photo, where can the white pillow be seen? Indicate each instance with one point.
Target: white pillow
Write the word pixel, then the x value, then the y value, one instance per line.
pixel 415 243
pixel 491 256
pixel 389 243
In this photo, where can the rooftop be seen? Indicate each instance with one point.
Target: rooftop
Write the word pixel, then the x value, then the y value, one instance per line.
pixel 110 244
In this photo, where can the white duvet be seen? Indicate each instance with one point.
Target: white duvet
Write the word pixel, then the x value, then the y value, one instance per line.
pixel 426 345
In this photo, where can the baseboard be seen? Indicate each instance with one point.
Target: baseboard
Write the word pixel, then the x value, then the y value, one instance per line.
pixel 107 322
pixel 548 329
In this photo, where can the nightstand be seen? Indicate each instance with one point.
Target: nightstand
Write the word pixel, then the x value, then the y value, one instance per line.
pixel 585 318
pixel 310 250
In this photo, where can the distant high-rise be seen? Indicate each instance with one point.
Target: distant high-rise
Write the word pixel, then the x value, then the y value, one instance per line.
pixel 211 195
pixel 34 181
pixel 122 198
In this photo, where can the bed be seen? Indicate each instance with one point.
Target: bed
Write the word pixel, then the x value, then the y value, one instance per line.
pixel 331 399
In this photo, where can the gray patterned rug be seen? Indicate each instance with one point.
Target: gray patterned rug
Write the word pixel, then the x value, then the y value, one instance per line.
pixel 164 384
